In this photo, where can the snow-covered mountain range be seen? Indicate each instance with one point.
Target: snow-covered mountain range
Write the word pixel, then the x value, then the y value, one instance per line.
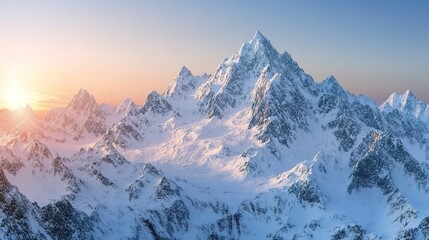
pixel 256 150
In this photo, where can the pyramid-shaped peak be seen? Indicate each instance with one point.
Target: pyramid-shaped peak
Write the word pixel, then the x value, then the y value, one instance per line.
pixel 259 37
pixel 331 83
pixel 83 101
pixel 405 102
pixel 184 82
pixel 409 94
pixel 153 95
pixel 184 71
pixel 259 45
pixel 150 169
pixel 331 80
pixel 156 104
pixel 393 95
pixel 394 101
pixel 83 93
pixel 259 40
pixel 82 96
pixel 409 100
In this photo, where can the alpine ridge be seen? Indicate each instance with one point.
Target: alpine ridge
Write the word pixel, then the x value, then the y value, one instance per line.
pixel 255 150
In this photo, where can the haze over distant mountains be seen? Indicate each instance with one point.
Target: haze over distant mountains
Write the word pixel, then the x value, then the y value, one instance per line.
pixel 255 150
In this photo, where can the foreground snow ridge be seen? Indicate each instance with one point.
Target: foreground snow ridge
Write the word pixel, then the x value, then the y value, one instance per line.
pixel 255 150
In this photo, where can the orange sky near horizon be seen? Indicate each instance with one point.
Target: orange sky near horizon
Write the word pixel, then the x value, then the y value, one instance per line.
pixel 46 88
pixel 83 47
pixel 43 92
pixel 49 76
pixel 126 49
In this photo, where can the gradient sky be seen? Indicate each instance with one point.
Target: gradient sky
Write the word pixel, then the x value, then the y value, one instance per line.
pixel 118 49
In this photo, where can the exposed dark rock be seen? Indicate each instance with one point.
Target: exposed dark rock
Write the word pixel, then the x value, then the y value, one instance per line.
pixel 355 232
pixel 62 221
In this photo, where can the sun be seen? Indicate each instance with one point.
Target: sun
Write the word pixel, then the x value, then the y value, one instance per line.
pixel 15 97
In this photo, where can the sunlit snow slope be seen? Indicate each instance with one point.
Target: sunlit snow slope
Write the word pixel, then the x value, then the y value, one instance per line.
pixel 255 150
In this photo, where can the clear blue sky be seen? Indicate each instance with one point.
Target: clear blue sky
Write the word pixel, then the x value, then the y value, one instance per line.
pixel 371 47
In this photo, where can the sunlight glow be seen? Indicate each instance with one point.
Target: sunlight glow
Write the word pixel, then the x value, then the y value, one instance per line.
pixel 15 97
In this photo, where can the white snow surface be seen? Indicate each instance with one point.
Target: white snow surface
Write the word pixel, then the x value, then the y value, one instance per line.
pixel 217 166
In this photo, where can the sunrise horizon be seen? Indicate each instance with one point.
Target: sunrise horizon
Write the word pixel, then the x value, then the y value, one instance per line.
pixel 16 97
pixel 127 50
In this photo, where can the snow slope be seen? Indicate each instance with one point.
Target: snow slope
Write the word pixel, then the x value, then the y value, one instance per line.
pixel 256 150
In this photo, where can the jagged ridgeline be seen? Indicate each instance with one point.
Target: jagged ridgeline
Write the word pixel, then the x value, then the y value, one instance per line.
pixel 255 150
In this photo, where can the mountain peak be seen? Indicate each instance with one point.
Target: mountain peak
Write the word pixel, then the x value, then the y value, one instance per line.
pixel 83 92
pixel 184 72
pixel 83 115
pixel 258 45
pixel 83 95
pixel 247 72
pixel 409 95
pixel 331 85
pixel 259 37
pixel 155 103
pixel 82 101
pixel 406 99
pixel 410 102
pixel 154 95
pixel 407 102
pixel 185 82
pixel 259 41
pixel 330 80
